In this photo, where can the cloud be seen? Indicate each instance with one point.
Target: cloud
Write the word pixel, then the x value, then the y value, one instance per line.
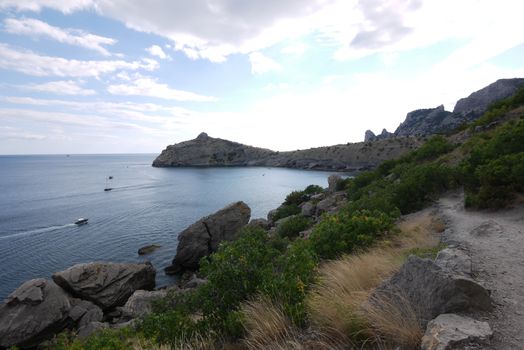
pixel 68 6
pixel 145 86
pixel 261 64
pixel 61 87
pixel 157 51
pixel 31 63
pixel 36 28
pixel 295 49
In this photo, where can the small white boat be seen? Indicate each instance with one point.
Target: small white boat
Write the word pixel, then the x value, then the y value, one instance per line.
pixel 81 221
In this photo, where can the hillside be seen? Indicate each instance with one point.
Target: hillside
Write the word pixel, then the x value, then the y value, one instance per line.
pixel 210 151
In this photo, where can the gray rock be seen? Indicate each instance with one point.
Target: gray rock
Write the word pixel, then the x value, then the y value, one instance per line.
pixel 203 237
pixel 106 284
pixel 195 282
pixel 433 291
pixel 450 331
pixel 34 312
pixel 139 304
pixel 331 203
pixel 308 209
pixel 91 328
pixel 148 249
pixel 261 223
pixel 333 181
pixel 369 136
pixel 423 122
pixel 84 312
pixel 271 217
pixel 475 104
pixel 454 260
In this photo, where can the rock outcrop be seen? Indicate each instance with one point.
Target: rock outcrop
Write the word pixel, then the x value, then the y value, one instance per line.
pixel 433 290
pixel 450 331
pixel 474 105
pixel 139 304
pixel 34 312
pixel 431 121
pixel 106 284
pixel 207 151
pixel 203 237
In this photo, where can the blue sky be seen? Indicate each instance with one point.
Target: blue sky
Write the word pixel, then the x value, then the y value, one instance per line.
pixel 130 76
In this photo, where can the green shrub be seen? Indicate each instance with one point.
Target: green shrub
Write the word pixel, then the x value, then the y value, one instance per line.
pixel 293 226
pixel 499 108
pixel 286 210
pixel 107 339
pixel 346 231
pixel 313 189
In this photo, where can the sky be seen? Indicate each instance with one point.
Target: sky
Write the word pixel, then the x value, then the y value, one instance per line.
pixel 132 76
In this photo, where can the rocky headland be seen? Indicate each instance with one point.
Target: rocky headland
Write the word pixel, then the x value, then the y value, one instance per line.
pixel 207 151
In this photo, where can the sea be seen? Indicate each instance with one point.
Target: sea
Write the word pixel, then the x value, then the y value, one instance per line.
pixel 42 196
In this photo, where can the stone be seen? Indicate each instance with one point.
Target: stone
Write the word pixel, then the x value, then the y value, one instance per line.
pixel 148 249
pixel 91 328
pixel 261 223
pixel 84 312
pixel 454 260
pixel 106 284
pixel 34 312
pixel 333 181
pixel 432 291
pixel 331 203
pixel 271 217
pixel 139 304
pixel 204 236
pixel 450 331
pixel 308 209
pixel 369 136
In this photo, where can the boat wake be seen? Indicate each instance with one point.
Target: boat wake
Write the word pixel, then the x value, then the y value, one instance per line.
pixel 37 231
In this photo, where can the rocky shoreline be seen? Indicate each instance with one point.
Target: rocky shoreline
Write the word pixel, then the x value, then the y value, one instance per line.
pixel 94 296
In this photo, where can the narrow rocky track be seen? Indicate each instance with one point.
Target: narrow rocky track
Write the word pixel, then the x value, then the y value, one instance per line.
pixel 495 241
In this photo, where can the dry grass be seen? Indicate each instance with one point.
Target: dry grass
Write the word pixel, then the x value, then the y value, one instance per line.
pixel 341 301
pixel 268 327
pixel 193 343
pixel 342 312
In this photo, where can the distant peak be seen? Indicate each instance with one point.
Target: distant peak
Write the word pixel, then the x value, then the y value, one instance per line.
pixel 202 136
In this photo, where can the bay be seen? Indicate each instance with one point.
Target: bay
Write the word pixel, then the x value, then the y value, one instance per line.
pixel 42 196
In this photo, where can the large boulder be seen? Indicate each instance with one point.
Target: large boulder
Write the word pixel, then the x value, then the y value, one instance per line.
pixel 333 181
pixel 34 312
pixel 450 331
pixel 432 291
pixel 106 284
pixel 139 304
pixel 203 237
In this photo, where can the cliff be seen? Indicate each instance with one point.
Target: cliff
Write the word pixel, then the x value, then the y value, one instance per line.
pixel 439 121
pixel 209 151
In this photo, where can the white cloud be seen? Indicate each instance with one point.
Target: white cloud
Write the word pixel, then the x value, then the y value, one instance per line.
pixel 36 28
pixel 61 87
pixel 37 5
pixel 31 63
pixel 157 51
pixel 145 86
pixel 261 64
pixel 295 49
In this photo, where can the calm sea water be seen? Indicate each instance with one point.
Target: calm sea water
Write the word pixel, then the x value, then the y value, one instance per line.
pixel 41 197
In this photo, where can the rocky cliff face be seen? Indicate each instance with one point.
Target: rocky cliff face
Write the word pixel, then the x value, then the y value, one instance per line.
pixel 475 104
pixel 209 151
pixel 437 120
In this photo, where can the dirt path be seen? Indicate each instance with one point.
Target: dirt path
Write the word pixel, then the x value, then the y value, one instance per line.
pixel 495 241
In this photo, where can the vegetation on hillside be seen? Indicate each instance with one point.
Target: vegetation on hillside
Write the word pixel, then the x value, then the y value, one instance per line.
pixel 266 289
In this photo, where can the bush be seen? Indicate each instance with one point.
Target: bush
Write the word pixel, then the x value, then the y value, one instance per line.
pixel 346 231
pixel 293 226
pixel 286 210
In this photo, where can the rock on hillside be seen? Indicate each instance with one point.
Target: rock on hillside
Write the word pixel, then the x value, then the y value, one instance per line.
pixel 204 236
pixel 209 151
pixel 437 120
pixel 423 122
pixel 475 104
pixel 106 284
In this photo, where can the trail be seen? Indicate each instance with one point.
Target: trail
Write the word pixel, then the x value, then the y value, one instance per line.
pixel 495 241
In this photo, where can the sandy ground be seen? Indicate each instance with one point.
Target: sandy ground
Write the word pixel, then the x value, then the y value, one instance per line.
pixel 495 241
